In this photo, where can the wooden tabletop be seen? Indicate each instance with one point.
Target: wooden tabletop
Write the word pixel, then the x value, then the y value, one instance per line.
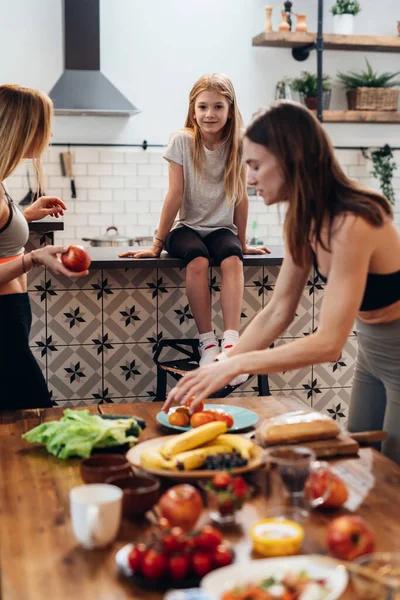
pixel 40 557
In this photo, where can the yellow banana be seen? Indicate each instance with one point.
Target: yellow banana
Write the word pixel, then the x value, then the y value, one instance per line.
pixel 192 438
pixel 193 459
pixel 153 459
pixel 237 442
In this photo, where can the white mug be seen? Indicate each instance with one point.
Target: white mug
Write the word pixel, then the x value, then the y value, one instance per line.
pixel 95 513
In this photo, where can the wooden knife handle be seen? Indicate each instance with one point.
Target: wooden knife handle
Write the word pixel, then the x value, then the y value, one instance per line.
pixel 368 437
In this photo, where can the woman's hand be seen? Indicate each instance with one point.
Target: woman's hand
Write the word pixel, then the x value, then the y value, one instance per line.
pixel 256 250
pixel 153 252
pixel 43 207
pixel 49 256
pixel 202 382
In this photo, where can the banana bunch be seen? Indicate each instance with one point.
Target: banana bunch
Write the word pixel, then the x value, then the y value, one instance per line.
pixel 189 450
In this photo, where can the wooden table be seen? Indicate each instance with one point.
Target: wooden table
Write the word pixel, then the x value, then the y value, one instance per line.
pixel 41 559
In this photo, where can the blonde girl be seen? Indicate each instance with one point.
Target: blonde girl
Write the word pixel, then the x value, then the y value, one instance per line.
pixel 25 132
pixel 207 186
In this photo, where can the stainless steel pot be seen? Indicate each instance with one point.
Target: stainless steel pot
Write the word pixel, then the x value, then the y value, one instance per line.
pixel 110 238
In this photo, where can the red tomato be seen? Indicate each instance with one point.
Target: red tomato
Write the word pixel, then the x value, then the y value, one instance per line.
pixel 174 540
pixel 222 556
pixel 208 538
pixel 221 480
pixel 201 563
pixel 199 407
pixel 226 507
pixel 200 418
pixel 76 259
pixel 154 564
pixel 135 556
pixel 239 487
pixel 178 566
pixel 228 419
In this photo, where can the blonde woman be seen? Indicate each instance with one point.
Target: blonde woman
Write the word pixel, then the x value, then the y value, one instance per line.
pixel 25 132
pixel 207 186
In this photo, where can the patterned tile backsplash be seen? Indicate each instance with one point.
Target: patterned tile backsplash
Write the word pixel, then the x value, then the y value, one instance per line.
pixel 95 337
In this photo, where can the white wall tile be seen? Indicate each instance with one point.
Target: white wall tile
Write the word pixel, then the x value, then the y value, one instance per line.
pixel 103 220
pixel 100 169
pixel 87 207
pixel 125 169
pixel 150 194
pixel 137 182
pixel 159 182
pixel 127 195
pixel 141 157
pixel 150 169
pixel 100 195
pixel 112 182
pixel 110 207
pixel 111 156
pixel 86 155
pixel 86 182
pixel 137 207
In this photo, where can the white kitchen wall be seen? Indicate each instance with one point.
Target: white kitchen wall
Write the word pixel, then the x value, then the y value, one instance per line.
pixel 154 50
pixel 126 187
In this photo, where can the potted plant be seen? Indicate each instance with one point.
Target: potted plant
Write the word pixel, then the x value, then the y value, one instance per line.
pixel 344 12
pixel 367 90
pixel 307 85
pixel 383 166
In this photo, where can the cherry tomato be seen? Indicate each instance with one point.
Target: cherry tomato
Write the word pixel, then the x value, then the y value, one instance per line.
pixel 154 564
pixel 174 540
pixel 221 480
pixel 199 407
pixel 222 556
pixel 135 556
pixel 208 538
pixel 200 418
pixel 201 563
pixel 178 566
pixel 226 507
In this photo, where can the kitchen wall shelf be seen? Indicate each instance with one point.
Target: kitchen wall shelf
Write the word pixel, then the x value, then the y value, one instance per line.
pixel 291 39
pixel 360 116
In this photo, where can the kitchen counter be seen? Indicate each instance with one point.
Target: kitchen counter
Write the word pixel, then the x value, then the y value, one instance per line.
pixel 46 225
pixel 107 258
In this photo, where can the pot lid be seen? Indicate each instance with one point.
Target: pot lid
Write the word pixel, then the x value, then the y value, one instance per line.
pixel 111 235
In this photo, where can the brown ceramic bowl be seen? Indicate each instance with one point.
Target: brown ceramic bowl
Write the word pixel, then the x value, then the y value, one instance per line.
pixel 141 492
pixel 98 468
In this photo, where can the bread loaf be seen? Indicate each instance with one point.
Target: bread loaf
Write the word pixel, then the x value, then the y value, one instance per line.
pixel 298 426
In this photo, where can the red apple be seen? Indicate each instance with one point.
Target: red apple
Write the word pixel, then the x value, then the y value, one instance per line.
pixel 76 259
pixel 317 484
pixel 350 536
pixel 181 505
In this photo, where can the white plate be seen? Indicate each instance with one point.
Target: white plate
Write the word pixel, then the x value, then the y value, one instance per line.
pixel 222 580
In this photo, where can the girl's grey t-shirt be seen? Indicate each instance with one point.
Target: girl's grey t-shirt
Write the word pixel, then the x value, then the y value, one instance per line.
pixel 205 206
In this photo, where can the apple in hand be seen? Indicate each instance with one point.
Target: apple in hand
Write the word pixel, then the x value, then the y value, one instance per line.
pixel 318 483
pixel 181 505
pixel 349 537
pixel 76 259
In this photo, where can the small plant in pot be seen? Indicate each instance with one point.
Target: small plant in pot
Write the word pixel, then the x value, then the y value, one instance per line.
pixel 368 90
pixel 344 12
pixel 307 86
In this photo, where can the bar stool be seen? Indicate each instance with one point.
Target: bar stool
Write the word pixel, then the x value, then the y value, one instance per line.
pixel 189 349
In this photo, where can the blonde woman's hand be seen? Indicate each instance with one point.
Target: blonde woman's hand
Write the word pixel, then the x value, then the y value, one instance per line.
pixel 202 382
pixel 256 250
pixel 43 207
pixel 153 252
pixel 50 256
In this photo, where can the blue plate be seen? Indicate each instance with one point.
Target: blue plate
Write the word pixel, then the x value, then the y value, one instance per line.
pixel 243 418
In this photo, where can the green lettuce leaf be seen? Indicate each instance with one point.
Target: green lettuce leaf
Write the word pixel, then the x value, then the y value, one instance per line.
pixel 78 432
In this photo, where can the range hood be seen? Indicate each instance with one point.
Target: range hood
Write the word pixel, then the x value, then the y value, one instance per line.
pixel 83 89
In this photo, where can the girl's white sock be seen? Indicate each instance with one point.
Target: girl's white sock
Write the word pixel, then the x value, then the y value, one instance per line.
pixel 231 337
pixel 208 348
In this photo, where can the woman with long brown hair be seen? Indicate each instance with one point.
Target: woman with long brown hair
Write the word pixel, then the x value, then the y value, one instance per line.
pixel 207 186
pixel 346 231
pixel 25 132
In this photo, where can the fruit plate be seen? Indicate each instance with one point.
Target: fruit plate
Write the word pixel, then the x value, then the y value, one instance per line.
pixel 163 583
pixel 133 456
pixel 226 578
pixel 243 418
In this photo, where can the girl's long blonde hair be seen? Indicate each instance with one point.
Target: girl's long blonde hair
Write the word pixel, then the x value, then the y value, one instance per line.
pixel 232 134
pixel 25 128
